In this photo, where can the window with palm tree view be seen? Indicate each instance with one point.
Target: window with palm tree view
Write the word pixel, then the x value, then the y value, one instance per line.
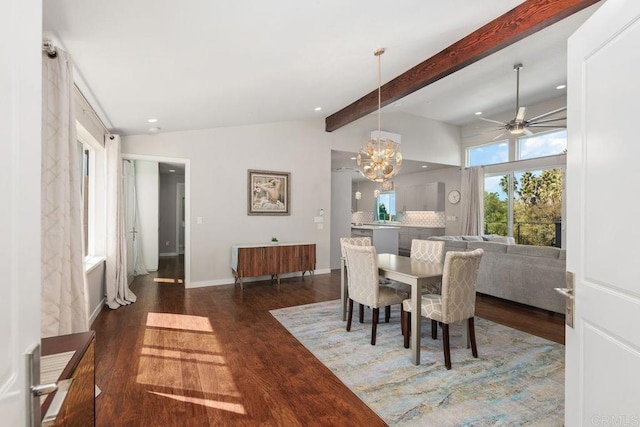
pixel 525 204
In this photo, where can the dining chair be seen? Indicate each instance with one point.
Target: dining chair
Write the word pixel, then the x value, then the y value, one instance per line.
pixel 456 303
pixel 423 250
pixel 364 288
pixel 358 241
pixel 430 251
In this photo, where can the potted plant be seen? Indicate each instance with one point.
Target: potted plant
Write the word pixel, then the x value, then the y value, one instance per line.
pixel 274 240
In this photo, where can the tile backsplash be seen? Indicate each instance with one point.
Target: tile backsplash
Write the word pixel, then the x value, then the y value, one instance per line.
pixel 410 218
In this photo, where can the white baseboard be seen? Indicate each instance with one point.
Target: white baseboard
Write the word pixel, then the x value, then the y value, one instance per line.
pixel 230 281
pixel 97 311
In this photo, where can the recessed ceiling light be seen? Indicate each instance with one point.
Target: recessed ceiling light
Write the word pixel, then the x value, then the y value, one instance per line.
pixel 152 120
pixel 172 170
pixel 425 166
pixel 561 87
pixel 353 158
pixel 478 113
pixel 318 108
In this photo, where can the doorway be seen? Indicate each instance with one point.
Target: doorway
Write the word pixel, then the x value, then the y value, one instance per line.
pixel 162 225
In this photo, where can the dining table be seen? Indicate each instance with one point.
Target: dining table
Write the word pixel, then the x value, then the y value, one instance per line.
pixel 415 273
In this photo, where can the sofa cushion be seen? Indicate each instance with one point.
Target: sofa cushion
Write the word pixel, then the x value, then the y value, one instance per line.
pixel 500 239
pixel 537 251
pixel 488 246
pixel 455 245
pixel 472 238
pixel 446 238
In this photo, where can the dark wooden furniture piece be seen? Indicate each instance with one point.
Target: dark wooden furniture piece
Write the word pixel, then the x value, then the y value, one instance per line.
pixel 272 260
pixel 78 408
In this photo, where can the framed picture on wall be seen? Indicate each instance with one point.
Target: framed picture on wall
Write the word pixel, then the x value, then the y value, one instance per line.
pixel 268 192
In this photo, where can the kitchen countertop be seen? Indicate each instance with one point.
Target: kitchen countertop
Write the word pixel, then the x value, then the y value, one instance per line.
pixel 375 227
pixel 388 225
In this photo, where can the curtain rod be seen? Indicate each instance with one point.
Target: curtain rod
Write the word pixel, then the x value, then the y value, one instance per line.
pixel 49 48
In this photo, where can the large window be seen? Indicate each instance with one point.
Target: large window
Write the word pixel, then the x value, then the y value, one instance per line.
pixel 542 144
pixel 523 186
pixel 488 154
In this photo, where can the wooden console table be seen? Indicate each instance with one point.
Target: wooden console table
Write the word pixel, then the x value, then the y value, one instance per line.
pixel 78 408
pixel 272 260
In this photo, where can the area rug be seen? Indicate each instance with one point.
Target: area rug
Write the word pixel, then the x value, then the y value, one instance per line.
pixel 518 379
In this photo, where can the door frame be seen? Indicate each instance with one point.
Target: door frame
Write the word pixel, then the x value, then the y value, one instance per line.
pixel 187 207
pixel 180 191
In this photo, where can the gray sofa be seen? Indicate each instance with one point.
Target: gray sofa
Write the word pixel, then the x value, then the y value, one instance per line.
pixel 521 273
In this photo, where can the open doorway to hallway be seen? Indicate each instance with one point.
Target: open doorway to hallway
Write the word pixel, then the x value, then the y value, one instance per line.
pixel 157 218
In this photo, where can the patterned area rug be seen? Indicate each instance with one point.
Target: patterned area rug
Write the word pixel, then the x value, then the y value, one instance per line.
pixel 517 380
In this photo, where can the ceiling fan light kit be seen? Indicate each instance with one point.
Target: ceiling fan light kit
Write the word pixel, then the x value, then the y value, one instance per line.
pixel 519 125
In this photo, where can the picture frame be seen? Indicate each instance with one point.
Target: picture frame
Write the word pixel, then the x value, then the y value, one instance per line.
pixel 268 192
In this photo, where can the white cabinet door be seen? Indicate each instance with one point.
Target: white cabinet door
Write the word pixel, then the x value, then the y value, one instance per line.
pixel 603 351
pixel 20 112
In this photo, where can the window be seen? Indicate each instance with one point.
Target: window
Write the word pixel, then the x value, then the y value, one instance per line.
pixel 92 166
pixel 528 209
pixel 542 144
pixel 488 154
pixel 386 206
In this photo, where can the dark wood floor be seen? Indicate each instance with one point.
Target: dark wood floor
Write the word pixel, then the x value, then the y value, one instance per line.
pixel 216 357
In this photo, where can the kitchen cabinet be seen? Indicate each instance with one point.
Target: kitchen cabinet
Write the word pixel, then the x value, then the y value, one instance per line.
pixel 421 197
pixel 272 260
pixel 383 238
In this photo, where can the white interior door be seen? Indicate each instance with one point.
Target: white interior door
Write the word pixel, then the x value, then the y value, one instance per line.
pixel 20 113
pixel 603 351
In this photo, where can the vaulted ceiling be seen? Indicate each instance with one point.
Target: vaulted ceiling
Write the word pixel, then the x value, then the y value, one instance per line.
pixel 200 63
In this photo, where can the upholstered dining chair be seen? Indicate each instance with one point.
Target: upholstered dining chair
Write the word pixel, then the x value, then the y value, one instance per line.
pixel 358 241
pixel 424 250
pixel 364 288
pixel 456 303
pixel 430 251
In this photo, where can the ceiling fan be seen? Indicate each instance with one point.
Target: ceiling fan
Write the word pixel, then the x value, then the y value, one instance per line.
pixel 519 125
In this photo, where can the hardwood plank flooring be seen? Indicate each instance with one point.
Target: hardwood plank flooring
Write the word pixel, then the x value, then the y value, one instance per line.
pixel 216 357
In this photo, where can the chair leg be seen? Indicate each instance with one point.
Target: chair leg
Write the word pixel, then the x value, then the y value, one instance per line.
pixel 387 314
pixel 361 313
pixel 350 316
pixel 402 319
pixel 374 325
pixel 434 329
pixel 472 337
pixel 445 344
pixel 406 319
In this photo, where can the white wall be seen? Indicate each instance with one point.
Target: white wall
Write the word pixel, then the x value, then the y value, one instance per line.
pixel 340 212
pixel 220 159
pixel 422 139
pixel 147 194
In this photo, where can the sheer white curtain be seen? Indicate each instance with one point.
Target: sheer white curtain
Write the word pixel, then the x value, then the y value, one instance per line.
pixel 118 292
pixel 64 302
pixel 472 207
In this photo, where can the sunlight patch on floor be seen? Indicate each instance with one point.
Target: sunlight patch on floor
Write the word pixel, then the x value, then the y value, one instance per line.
pixel 167 280
pixel 225 406
pixel 179 321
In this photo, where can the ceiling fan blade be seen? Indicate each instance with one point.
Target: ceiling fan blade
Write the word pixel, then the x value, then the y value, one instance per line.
pixel 527 132
pixel 492 121
pixel 546 120
pixel 552 127
pixel 520 115
pixel 498 136
pixel 533 119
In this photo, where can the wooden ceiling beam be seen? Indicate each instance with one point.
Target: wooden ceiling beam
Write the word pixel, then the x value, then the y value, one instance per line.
pixel 525 19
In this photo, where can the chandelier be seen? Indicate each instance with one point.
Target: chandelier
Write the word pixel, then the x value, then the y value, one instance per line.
pixel 379 159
